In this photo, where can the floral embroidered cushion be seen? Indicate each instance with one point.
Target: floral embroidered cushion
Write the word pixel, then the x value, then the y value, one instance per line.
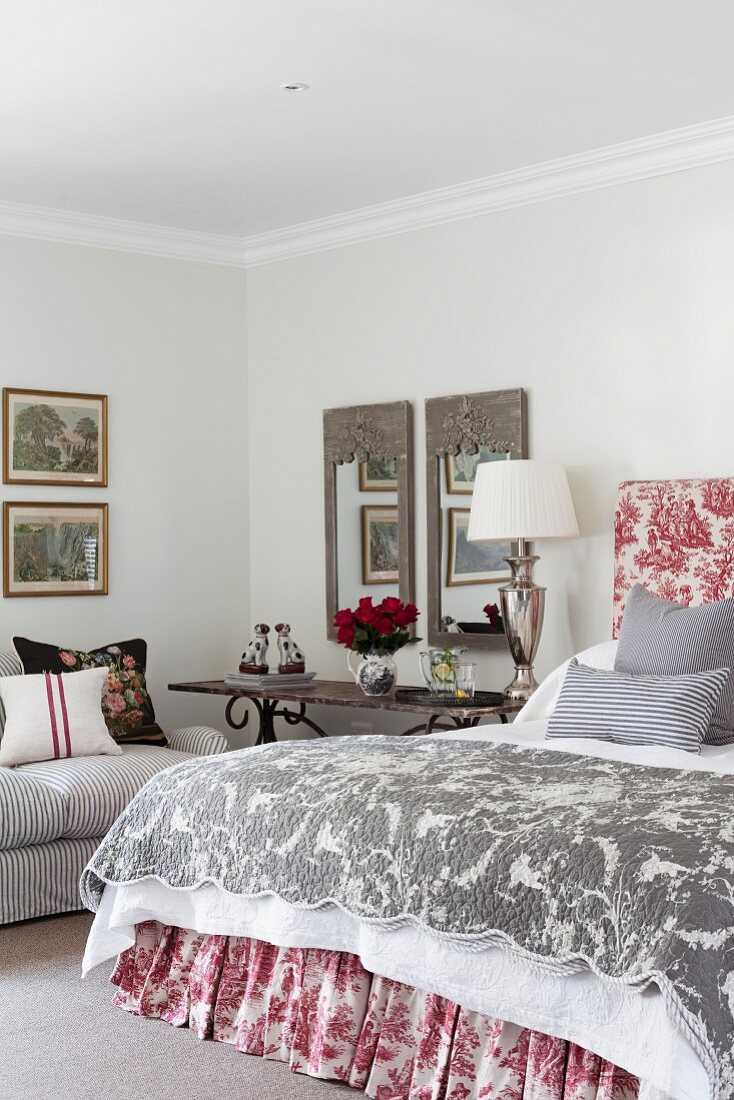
pixel 126 704
pixel 54 717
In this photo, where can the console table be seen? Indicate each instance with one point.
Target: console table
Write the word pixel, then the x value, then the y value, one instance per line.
pixel 336 693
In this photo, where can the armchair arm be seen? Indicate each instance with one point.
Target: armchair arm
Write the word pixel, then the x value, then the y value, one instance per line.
pixel 198 740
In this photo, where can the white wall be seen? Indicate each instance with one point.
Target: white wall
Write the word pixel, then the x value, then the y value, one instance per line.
pixel 613 309
pixel 166 341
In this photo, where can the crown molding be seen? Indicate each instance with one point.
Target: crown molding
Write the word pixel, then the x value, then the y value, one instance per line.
pixel 67 227
pixel 643 158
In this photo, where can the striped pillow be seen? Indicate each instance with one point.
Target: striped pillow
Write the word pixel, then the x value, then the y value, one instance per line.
pixel 663 638
pixel 671 711
pixel 51 717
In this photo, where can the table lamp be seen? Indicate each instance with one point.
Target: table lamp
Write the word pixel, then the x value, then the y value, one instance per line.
pixel 521 500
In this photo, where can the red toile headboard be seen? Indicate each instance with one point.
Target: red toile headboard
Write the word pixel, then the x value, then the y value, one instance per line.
pixel 676 538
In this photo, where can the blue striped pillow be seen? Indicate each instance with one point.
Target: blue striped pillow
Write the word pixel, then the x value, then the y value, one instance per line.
pixel 663 638
pixel 671 711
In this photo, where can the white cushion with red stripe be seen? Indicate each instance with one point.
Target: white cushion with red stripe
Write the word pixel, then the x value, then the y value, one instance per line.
pixel 54 717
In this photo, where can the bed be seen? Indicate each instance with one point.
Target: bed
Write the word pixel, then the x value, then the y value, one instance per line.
pixel 355 938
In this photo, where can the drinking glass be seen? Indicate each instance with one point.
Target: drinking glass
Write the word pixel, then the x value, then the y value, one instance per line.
pixel 465 680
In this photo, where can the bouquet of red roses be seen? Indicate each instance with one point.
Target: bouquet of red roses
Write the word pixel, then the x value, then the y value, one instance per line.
pixel 376 628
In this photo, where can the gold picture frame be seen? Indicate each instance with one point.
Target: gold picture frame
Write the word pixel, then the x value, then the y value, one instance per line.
pixel 63 441
pixel 42 549
pixel 380 545
pixel 463 555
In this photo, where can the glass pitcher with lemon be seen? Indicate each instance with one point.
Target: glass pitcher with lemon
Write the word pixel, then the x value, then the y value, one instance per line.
pixel 438 669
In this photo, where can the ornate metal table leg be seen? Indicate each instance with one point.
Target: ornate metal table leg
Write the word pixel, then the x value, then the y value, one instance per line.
pixel 266 710
pixel 413 729
pixel 424 727
pixel 466 723
pixel 295 719
pixel 431 725
pixel 228 714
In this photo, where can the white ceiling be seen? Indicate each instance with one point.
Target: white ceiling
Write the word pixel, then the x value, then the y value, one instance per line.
pixel 170 111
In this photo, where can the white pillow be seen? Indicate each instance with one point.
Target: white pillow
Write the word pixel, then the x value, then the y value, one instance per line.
pixel 543 702
pixel 50 717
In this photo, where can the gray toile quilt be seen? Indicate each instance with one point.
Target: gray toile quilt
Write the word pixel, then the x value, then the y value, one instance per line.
pixel 572 861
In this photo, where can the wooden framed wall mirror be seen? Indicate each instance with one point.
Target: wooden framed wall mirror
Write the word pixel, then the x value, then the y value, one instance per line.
pixel 368 484
pixel 461 432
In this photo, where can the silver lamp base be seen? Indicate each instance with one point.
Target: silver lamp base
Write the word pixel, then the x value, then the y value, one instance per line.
pixel 523 607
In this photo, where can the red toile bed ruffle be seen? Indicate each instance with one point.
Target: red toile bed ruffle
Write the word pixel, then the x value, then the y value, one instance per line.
pixel 324 1015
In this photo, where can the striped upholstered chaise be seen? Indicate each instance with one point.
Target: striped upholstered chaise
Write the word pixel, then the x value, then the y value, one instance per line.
pixel 53 815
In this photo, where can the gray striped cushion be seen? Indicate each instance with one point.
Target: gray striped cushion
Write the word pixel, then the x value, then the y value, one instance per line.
pixel 9 666
pixel 96 789
pixel 198 740
pixel 663 638
pixel 30 812
pixel 43 879
pixel 671 711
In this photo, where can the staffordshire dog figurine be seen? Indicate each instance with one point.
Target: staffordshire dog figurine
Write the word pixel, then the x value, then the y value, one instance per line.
pixel 291 657
pixel 253 659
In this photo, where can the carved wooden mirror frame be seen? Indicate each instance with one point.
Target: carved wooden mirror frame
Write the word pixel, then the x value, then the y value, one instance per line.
pixel 464 422
pixel 356 434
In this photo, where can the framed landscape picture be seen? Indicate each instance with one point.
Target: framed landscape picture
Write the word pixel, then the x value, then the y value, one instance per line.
pixel 472 562
pixel 461 469
pixel 378 475
pixel 54 438
pixel 54 549
pixel 380 548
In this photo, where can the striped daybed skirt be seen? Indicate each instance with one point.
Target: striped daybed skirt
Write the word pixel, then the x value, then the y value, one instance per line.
pixel 324 1015
pixel 54 815
pixel 43 878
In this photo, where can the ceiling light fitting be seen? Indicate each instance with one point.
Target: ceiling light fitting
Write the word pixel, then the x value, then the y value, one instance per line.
pixel 293 87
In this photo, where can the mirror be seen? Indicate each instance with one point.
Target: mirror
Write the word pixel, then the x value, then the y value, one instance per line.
pixel 461 432
pixel 368 480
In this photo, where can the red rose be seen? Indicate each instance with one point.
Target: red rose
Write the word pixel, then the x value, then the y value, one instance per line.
pixel 365 613
pixel 406 615
pixel 384 624
pixel 345 635
pixel 345 617
pixel 390 605
pixel 492 612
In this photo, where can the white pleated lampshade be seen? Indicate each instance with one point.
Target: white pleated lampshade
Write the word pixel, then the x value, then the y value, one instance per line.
pixel 524 499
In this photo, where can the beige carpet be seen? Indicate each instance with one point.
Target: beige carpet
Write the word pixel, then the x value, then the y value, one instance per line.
pixel 61 1039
